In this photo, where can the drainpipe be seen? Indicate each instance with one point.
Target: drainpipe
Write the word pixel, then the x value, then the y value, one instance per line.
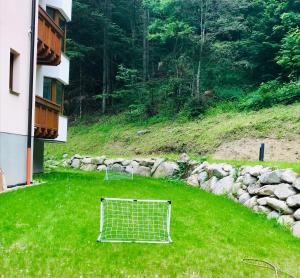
pixel 30 99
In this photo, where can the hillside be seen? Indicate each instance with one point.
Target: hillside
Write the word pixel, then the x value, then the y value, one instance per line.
pixel 228 135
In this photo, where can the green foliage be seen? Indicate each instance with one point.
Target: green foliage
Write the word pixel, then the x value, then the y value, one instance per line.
pixel 289 54
pixel 272 93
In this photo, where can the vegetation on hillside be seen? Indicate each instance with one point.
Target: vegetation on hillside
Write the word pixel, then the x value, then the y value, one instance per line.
pixel 115 136
pixel 51 230
pixel 165 57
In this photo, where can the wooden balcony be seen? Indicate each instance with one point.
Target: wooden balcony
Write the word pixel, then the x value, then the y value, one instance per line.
pixel 49 40
pixel 46 118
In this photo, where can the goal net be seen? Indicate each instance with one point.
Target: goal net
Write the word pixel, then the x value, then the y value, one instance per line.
pixel 112 173
pixel 129 220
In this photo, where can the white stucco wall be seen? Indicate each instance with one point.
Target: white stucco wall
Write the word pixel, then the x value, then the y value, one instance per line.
pixel 60 72
pixel 15 21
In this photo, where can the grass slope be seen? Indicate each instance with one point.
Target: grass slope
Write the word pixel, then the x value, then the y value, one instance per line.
pixel 51 230
pixel 114 137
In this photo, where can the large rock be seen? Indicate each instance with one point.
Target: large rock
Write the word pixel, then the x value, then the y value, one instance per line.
pixel 278 205
pixel 156 164
pixel 208 185
pixel 193 180
pixel 137 169
pixel 76 163
pixel 223 186
pixel 252 189
pixel 244 198
pixel 289 176
pixel 296 229
pixel 296 183
pixel 266 190
pixel 87 160
pixel 248 180
pixel 254 171
pixel 219 170
pixel 88 167
pixel 251 203
pixel 283 191
pixel 297 214
pixel 183 158
pixel 147 162
pixel 262 201
pixel 202 177
pixel 273 215
pixel 166 169
pixel 293 201
pixel 262 209
pixel 117 168
pixel 273 177
pixel 98 160
pixel 109 162
pixel 101 168
pixel 286 220
pixel 126 162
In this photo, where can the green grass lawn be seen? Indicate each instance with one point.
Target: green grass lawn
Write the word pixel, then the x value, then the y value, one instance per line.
pixel 51 230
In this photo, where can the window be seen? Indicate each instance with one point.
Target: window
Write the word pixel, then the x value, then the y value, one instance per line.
pixel 51 12
pixel 47 88
pixel 13 71
pixel 59 92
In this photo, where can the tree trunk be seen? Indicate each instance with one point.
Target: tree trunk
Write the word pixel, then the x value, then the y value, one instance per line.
pixel 145 44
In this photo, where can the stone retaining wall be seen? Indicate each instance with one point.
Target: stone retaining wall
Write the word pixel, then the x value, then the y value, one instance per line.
pixel 275 193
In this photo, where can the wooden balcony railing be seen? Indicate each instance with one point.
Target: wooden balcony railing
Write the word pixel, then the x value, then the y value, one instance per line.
pixel 46 118
pixel 49 40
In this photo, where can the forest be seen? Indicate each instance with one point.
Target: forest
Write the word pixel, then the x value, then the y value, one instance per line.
pixel 176 58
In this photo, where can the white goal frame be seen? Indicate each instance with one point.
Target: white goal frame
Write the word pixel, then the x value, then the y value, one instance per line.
pixel 117 175
pixel 131 222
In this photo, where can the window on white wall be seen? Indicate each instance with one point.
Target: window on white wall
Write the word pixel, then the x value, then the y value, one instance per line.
pixel 13 72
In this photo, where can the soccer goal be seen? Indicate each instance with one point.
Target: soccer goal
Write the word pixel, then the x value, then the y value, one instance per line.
pixel 112 173
pixel 130 220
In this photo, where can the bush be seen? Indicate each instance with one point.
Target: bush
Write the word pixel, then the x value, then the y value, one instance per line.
pixel 270 94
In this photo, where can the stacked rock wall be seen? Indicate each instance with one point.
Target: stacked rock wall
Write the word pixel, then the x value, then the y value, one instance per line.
pixel 275 193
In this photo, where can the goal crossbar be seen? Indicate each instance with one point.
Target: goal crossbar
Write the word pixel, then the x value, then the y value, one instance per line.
pixel 134 220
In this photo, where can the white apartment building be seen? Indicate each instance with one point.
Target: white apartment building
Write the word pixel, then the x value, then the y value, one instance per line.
pixel 34 70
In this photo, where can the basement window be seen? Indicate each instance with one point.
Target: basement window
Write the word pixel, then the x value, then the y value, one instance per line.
pixel 13 72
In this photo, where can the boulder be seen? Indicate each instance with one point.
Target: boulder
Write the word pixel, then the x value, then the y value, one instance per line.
pixel 166 169
pixel 202 177
pixel 88 167
pixel 199 169
pixel 147 162
pixel 286 220
pixel 218 171
pixel 183 158
pixel 223 186
pixel 240 192
pixel 296 229
pixel 248 180
pixel 98 160
pixel 109 162
pixel 193 180
pixel 76 163
pixel 267 190
pixel 101 168
pixel 296 183
pixel 273 177
pixel 143 132
pixel 251 203
pixel 278 205
pixel 262 209
pixel 252 189
pixel 156 164
pixel 87 160
pixel 283 191
pixel 208 185
pixel 262 201
pixel 143 171
pixel 293 201
pixel 289 176
pixel 126 162
pixel 244 198
pixel 273 215
pixel 297 214
pixel 78 156
pixel 117 168
pixel 254 171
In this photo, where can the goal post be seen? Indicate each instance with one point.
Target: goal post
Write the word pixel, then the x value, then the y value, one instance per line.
pixel 112 173
pixel 132 220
